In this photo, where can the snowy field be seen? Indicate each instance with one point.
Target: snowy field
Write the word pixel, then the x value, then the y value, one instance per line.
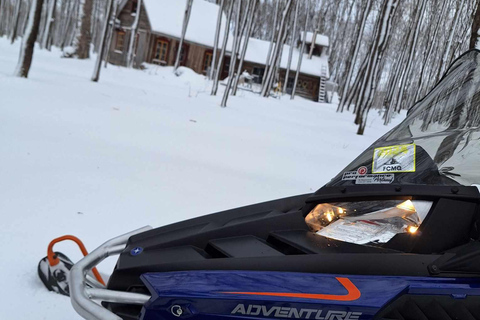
pixel 141 147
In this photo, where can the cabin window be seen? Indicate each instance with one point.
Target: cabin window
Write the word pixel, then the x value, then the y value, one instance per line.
pixel 207 61
pixel 161 51
pixel 304 84
pixel 183 54
pixel 120 41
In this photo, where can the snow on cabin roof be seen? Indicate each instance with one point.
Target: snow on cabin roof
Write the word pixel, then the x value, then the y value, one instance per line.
pixel 320 39
pixel 257 51
pixel 166 17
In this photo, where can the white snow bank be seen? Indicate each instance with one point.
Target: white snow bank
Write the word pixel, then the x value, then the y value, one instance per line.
pixel 141 147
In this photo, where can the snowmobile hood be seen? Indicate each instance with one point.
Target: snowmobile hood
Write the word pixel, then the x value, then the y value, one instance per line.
pixel 437 144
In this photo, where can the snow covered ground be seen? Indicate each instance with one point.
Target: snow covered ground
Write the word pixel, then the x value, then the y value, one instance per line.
pixel 141 147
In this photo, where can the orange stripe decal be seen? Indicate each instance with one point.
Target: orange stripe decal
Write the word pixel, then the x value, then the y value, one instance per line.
pixel 352 295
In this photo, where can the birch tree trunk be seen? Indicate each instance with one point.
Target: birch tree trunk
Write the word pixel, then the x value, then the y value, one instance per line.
pixel 300 54
pixel 29 39
pixel 244 47
pixel 374 60
pixel 110 31
pixel 95 15
pixel 84 37
pixel 418 23
pixel 133 36
pixel 243 24
pixel 475 29
pixel 276 64
pixel 393 86
pixel 233 59
pixel 314 37
pixel 18 7
pixel 103 44
pixel 336 65
pixel 431 42
pixel 67 24
pixel 278 48
pixel 49 20
pixel 222 53
pixel 270 47
pixel 443 64
pixel 188 10
pixel 215 41
pixel 292 45
pixel 2 17
pixel 351 66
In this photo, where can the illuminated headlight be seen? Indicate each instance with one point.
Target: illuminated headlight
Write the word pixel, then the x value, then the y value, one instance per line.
pixel 367 221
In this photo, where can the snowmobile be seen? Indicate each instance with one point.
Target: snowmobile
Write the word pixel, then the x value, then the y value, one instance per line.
pixel 395 235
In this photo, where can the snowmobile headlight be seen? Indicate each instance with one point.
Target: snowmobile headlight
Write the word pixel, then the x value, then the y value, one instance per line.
pixel 365 222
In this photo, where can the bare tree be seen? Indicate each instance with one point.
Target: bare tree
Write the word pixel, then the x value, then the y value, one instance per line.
pixel 302 50
pixel 474 34
pixel 412 48
pixel 431 42
pixel 292 45
pixel 366 7
pixel 314 36
pixel 374 59
pixel 133 36
pixel 186 18
pixel 17 13
pixel 222 53
pixel 29 39
pixel 211 73
pixel 245 45
pixel 443 64
pixel 337 54
pixel 233 59
pixel 48 24
pixel 277 52
pixel 103 42
pixel 111 29
pixel 270 47
pixel 84 37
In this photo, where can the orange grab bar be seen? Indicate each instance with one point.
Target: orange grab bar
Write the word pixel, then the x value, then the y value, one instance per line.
pixel 54 260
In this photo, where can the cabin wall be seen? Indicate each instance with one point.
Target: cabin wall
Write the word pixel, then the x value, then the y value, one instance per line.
pixel 307 86
pixel 127 17
pixel 194 60
pixel 118 54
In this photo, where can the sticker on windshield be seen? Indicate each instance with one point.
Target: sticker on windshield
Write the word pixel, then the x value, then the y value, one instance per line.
pixel 391 159
pixel 375 179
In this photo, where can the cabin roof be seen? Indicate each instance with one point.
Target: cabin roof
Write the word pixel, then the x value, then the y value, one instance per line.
pixel 166 17
pixel 320 39
pixel 257 52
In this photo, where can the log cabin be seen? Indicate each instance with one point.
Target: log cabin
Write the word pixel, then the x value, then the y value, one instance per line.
pixel 159 32
pixel 314 71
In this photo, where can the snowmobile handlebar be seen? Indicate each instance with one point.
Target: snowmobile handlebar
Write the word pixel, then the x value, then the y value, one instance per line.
pixel 81 296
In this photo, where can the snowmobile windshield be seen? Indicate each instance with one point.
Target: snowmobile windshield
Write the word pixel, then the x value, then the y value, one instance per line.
pixel 437 144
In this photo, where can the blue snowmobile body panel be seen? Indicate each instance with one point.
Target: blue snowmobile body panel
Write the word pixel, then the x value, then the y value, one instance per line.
pixel 259 295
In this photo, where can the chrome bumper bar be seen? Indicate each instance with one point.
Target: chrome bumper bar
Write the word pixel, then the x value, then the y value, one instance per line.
pixel 81 296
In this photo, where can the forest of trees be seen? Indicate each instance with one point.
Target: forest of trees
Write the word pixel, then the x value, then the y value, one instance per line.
pixel 384 54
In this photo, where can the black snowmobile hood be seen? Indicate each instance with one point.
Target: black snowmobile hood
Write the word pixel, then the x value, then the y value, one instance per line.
pixel 437 144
